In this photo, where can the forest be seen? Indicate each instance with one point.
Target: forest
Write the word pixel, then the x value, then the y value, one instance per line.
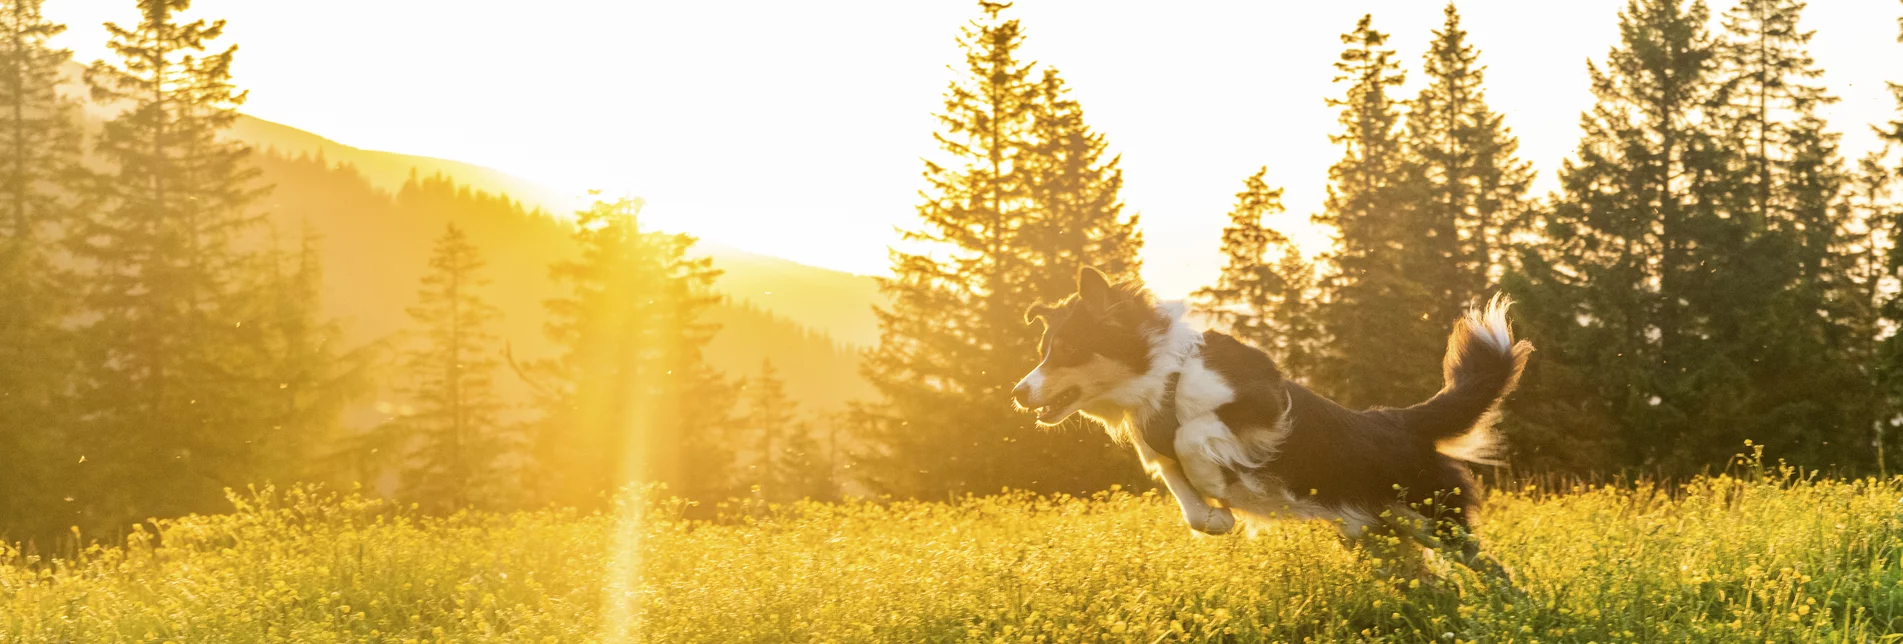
pixel 188 307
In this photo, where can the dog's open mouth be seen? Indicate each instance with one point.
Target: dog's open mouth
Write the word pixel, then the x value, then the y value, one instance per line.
pixel 1059 406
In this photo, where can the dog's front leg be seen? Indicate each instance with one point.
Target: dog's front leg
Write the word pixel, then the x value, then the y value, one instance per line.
pixel 1206 451
pixel 1198 513
pixel 1199 445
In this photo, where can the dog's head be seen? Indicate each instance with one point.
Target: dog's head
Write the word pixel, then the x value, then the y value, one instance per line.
pixel 1094 340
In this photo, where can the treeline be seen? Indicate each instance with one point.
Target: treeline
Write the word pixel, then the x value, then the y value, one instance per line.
pixel 162 337
pixel 1710 271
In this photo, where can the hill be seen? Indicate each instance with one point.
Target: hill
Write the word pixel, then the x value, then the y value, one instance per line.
pixel 831 302
pixel 375 244
pixel 835 303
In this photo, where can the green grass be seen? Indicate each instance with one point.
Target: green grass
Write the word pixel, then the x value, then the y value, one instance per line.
pixel 1778 558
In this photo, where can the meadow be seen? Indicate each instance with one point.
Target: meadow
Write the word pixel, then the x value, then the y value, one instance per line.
pixel 1749 556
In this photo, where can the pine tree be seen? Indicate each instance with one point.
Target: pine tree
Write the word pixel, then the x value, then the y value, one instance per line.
pixel 1076 217
pixel 1472 185
pixel 1875 192
pixel 314 380
pixel 41 138
pixel 1774 250
pixel 1894 134
pixel 39 168
pixel 1764 100
pixel 1375 312
pixel 1266 294
pixel 456 432
pixel 1866 236
pixel 176 388
pixel 789 464
pixel 808 462
pixel 620 403
pixel 1606 294
pixel 953 339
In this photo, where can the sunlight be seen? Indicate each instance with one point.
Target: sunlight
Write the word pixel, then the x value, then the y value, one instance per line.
pixel 963 320
pixel 601 95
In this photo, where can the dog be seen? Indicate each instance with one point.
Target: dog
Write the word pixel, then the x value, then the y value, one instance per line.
pixel 1227 433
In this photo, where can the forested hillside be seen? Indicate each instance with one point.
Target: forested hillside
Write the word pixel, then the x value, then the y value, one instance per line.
pixel 374 243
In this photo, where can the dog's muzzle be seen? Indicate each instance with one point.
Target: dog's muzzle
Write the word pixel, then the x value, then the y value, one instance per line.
pixel 1050 411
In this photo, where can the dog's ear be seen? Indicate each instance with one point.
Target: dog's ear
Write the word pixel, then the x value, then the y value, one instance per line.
pixel 1039 312
pixel 1093 289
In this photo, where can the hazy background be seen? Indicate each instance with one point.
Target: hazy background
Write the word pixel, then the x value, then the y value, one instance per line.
pixel 674 101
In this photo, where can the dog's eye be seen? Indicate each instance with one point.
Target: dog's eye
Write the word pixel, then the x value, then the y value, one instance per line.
pixel 1062 350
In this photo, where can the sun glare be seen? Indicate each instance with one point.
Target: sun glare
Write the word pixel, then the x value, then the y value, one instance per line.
pixel 954 320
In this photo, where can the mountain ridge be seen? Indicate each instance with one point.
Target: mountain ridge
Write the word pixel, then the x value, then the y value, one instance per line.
pixel 832 302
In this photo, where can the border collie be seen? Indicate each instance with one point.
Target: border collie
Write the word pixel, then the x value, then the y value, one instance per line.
pixel 1217 422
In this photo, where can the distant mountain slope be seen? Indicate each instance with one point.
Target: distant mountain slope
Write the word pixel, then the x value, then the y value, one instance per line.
pixel 838 304
pixel 388 170
pixel 376 246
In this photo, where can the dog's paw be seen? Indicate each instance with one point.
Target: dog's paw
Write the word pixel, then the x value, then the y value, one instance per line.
pixel 1216 521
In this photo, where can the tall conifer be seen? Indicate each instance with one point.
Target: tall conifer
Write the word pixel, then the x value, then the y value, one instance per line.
pixel 1266 294
pixel 1866 234
pixel 625 401
pixel 456 432
pixel 1874 189
pixel 999 205
pixel 177 381
pixel 1472 184
pixel 39 166
pixel 788 463
pixel 1894 133
pixel 1607 295
pixel 1782 373
pixel 1073 187
pixel 312 379
pixel 1373 307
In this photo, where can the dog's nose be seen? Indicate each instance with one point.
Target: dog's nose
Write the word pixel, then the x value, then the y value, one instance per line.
pixel 1022 394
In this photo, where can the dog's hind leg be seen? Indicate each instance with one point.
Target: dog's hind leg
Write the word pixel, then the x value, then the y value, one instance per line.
pixel 1197 512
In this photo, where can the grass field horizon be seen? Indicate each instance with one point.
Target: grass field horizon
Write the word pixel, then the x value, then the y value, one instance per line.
pixel 1750 555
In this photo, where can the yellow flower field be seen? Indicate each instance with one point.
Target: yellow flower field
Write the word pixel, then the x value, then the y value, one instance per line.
pixel 1780 558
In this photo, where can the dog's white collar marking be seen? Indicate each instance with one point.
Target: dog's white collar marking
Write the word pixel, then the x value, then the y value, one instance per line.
pixel 1172 349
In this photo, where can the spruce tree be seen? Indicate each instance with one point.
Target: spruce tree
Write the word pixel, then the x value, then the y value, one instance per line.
pixel 1866 232
pixel 1894 133
pixel 1472 186
pixel 1606 296
pixel 625 401
pixel 41 138
pixel 1266 295
pixel 39 169
pixel 176 389
pixel 788 464
pixel 1073 187
pixel 1789 383
pixel 1375 313
pixel 456 433
pixel 953 339
pixel 311 378
pixel 1875 191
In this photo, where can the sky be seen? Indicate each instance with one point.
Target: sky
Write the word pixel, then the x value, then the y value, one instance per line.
pixel 797 129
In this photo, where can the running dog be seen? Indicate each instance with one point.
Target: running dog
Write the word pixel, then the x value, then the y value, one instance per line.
pixel 1217 422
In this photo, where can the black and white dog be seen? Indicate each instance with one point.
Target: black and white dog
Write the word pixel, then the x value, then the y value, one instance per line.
pixel 1215 420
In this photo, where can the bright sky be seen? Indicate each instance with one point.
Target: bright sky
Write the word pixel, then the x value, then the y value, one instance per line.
pixel 796 128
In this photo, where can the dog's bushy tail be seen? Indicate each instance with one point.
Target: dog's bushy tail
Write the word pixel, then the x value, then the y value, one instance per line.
pixel 1482 366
